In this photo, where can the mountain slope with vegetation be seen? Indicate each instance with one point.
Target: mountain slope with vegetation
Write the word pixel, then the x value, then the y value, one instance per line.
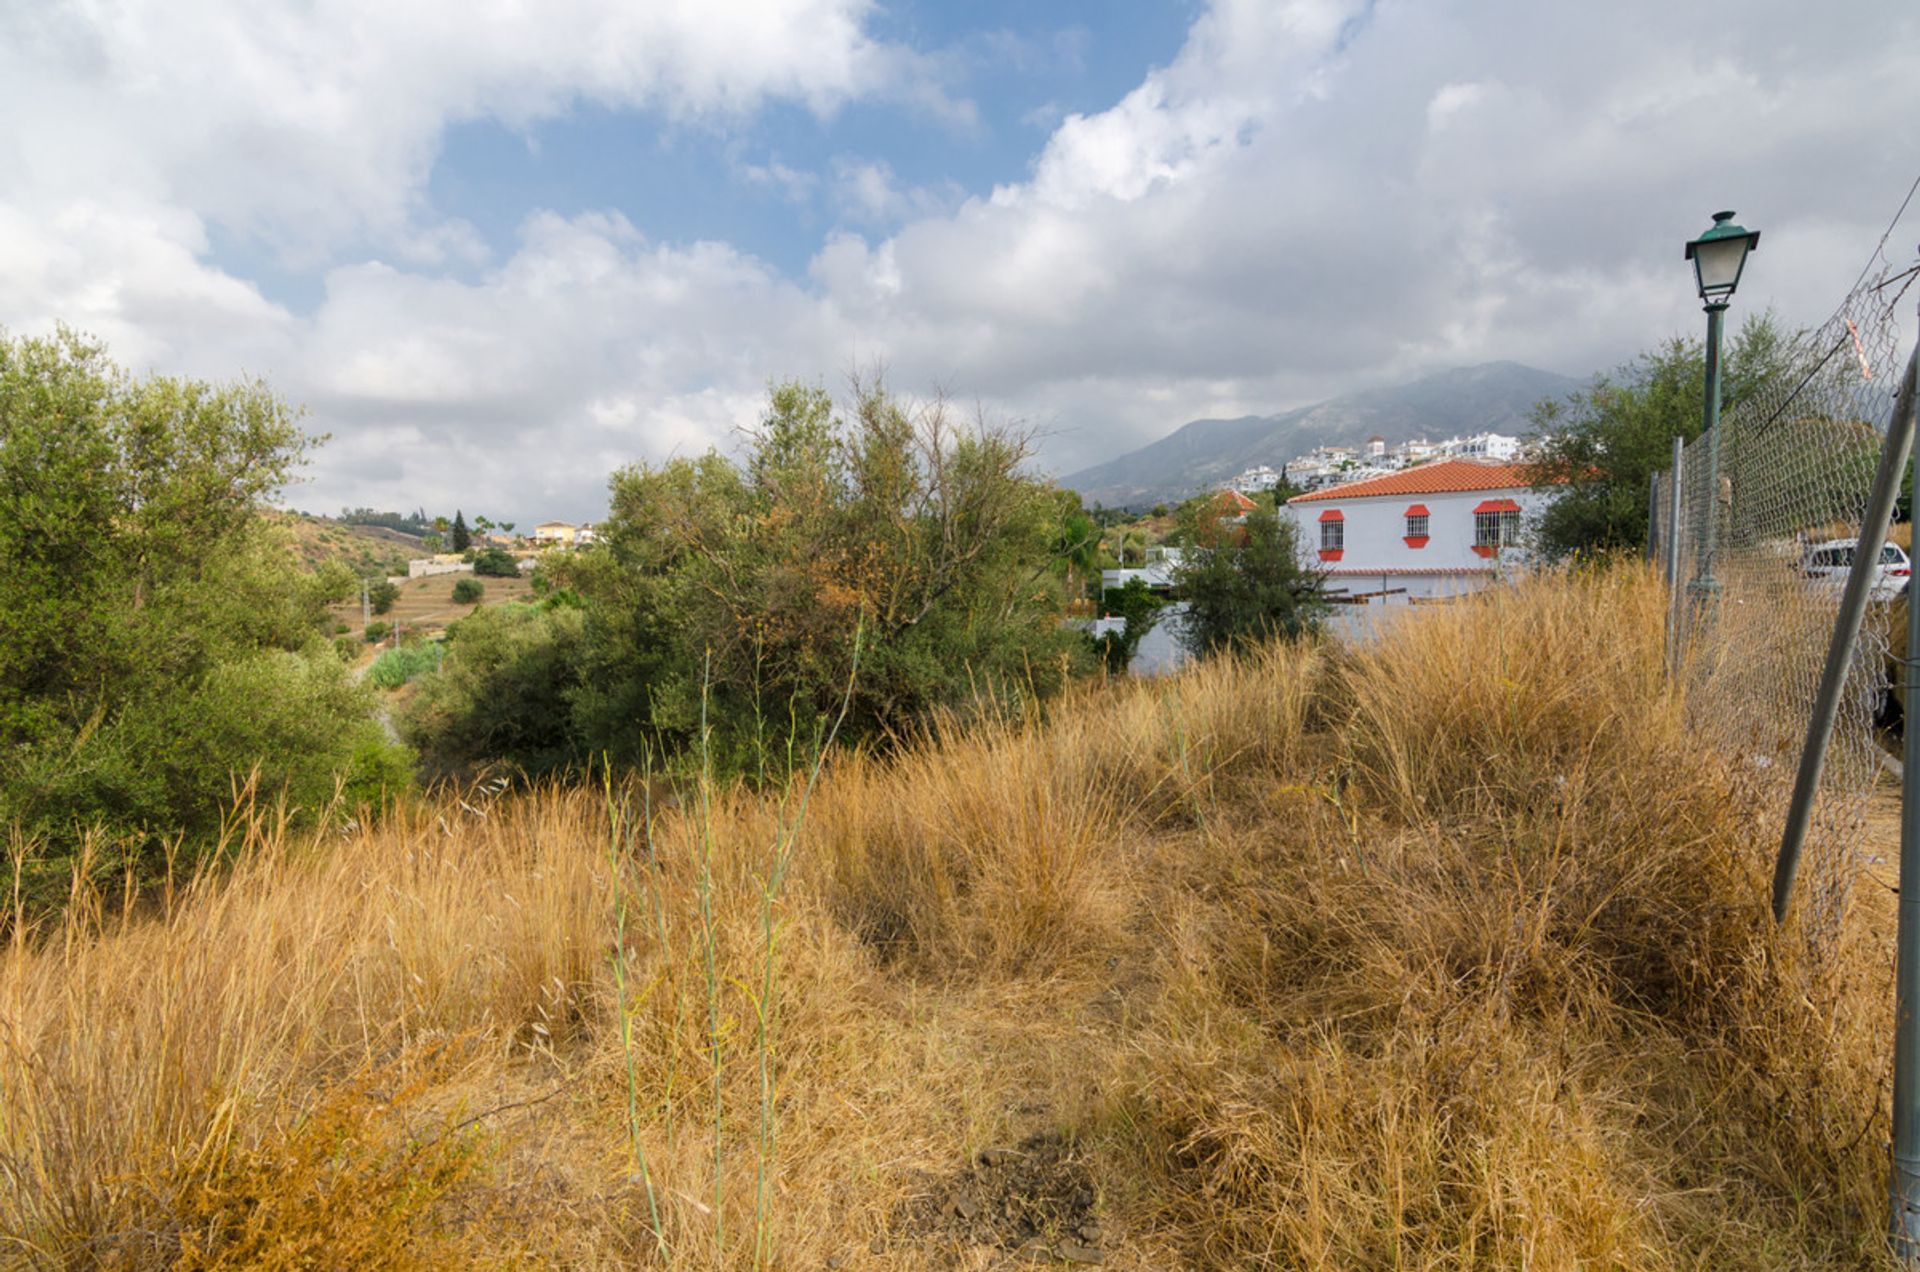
pixel 1310 957
pixel 1495 396
pixel 368 551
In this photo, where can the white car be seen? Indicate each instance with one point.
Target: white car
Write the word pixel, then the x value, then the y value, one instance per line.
pixel 1827 564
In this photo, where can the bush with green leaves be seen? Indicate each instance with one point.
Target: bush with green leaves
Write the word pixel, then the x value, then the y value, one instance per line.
pixel 1599 447
pixel 1140 607
pixel 381 594
pixel 893 536
pixel 495 563
pixel 376 632
pixel 160 642
pixel 468 591
pixel 505 690
pixel 396 667
pixel 1242 581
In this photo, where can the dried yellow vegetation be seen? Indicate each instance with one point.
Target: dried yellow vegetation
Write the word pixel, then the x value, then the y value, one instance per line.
pixel 1449 951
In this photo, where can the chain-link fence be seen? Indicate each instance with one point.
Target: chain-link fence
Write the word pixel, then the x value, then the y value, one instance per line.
pixel 1754 603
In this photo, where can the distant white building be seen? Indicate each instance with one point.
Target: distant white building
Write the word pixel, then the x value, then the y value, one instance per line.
pixel 1255 479
pixel 442 563
pixel 1495 447
pixel 1442 529
pixel 1157 573
pixel 1409 453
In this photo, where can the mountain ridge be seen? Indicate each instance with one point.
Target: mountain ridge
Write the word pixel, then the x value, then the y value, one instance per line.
pixel 1487 397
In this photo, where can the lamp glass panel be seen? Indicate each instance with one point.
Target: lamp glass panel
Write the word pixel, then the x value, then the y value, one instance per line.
pixel 1716 263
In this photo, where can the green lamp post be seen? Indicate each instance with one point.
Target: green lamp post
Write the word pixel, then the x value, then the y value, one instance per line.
pixel 1719 256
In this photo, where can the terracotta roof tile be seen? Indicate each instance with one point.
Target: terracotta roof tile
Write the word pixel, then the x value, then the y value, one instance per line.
pixel 1446 476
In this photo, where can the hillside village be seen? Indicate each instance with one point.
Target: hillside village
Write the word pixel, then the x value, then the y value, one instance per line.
pixel 1328 465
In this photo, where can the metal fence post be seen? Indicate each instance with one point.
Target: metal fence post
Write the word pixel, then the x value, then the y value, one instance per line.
pixel 1676 484
pixel 1653 515
pixel 1846 631
pixel 1904 1218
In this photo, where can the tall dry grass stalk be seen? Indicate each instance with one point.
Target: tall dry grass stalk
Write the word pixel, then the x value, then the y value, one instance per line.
pixel 1446 951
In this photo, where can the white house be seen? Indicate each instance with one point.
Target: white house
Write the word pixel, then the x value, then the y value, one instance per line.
pixel 1494 446
pixel 1156 573
pixel 1442 529
pixel 442 563
pixel 554 532
pixel 1260 477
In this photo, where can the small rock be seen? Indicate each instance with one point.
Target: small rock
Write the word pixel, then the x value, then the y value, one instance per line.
pixel 1000 1156
pixel 878 1245
pixel 1083 1198
pixel 836 1261
pixel 1090 1232
pixel 965 1206
pixel 1078 1253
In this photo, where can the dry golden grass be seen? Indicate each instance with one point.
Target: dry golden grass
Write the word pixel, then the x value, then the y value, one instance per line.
pixel 1451 951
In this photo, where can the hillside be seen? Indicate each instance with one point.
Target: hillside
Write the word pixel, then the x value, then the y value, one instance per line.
pixel 1495 396
pixel 1311 959
pixel 366 550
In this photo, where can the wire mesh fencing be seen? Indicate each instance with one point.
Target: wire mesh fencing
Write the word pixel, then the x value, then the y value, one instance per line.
pixel 1758 587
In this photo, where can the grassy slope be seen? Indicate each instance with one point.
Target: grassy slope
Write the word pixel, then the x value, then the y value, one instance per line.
pixel 426 606
pixel 367 550
pixel 1449 952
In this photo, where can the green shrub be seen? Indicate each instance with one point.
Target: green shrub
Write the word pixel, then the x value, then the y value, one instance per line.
pixel 468 591
pixel 347 648
pixel 341 629
pixel 377 631
pixel 165 763
pixel 160 638
pixel 495 563
pixel 381 594
pixel 1243 583
pixel 396 667
pixel 504 690
pixel 1137 604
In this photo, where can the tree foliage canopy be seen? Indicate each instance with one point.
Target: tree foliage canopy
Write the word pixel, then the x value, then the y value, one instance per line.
pixel 1242 580
pixel 1140 607
pixel 893 535
pixel 1601 446
pixel 158 637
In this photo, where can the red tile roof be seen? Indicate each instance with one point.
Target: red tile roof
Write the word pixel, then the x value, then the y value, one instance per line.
pixel 1446 476
pixel 1234 499
pixel 1364 572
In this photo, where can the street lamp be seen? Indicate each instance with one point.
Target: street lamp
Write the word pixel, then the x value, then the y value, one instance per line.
pixel 1719 256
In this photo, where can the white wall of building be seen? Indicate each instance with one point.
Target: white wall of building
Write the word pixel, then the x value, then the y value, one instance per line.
pixel 421 567
pixel 1377 557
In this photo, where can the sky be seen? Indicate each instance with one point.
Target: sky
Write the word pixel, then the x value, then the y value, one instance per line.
pixel 498 250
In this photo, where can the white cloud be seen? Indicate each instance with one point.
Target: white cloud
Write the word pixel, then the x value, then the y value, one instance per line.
pixel 1449 100
pixel 1308 198
pixel 868 193
pixel 792 184
pixel 314 125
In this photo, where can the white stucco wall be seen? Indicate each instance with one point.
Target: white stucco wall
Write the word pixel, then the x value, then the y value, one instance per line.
pixel 1377 558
